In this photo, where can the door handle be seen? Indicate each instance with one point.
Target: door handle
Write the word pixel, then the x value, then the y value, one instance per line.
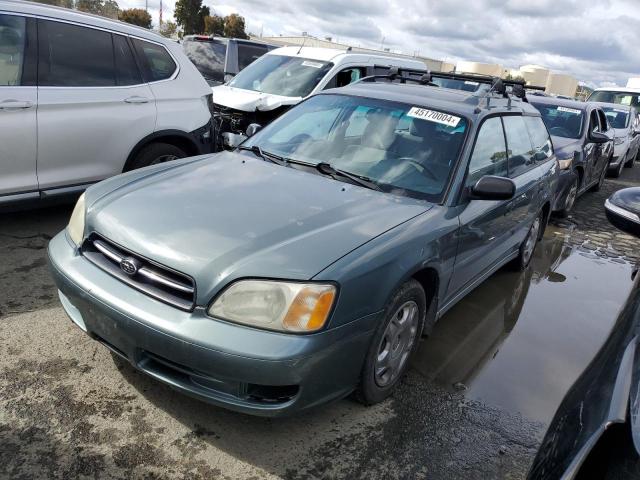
pixel 136 99
pixel 15 105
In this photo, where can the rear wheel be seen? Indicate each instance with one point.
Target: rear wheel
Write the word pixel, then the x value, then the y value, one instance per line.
pixel 395 340
pixel 528 246
pixel 156 153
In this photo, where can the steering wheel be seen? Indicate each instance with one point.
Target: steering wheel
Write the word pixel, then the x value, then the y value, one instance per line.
pixel 559 132
pixel 423 169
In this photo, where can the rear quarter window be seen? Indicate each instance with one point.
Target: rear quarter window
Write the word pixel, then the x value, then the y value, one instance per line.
pixel 157 63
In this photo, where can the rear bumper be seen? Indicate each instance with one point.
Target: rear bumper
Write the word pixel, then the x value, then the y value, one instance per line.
pixel 236 367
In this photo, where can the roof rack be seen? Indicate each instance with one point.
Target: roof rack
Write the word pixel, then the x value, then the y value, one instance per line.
pixel 425 77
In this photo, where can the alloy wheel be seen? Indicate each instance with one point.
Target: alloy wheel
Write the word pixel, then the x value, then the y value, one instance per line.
pixel 571 197
pixel 396 344
pixel 530 242
pixel 163 158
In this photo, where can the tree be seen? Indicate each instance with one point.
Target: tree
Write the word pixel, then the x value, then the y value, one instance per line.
pixel 106 8
pixel 190 15
pixel 168 29
pixel 214 25
pixel 234 26
pixel 136 16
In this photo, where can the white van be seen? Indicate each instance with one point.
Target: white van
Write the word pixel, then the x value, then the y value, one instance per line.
pixel 285 76
pixel 83 98
pixel 620 95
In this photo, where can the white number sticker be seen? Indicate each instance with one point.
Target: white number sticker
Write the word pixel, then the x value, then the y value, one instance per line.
pixel 469 82
pixel 569 110
pixel 307 63
pixel 431 116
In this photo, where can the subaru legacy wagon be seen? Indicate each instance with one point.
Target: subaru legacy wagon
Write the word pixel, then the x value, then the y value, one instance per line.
pixel 306 264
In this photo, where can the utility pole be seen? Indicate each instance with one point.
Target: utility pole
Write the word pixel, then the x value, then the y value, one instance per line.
pixel 146 5
pixel 160 12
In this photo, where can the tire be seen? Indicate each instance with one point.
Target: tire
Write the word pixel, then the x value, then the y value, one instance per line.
pixel 629 163
pixel 618 171
pixel 570 200
pixel 528 246
pixel 391 348
pixel 156 153
pixel 598 186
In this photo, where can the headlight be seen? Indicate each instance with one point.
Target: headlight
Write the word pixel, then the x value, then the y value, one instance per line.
pixel 565 163
pixel 285 306
pixel 76 222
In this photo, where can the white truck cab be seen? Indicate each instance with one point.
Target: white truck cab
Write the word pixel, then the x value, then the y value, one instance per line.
pixel 285 76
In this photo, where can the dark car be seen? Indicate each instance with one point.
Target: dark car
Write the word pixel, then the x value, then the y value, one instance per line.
pixel 607 393
pixel 220 59
pixel 306 264
pixel 624 122
pixel 583 141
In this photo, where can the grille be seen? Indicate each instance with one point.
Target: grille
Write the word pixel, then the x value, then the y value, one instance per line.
pixel 155 280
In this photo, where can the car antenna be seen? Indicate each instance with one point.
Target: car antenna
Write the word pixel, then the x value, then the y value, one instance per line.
pixel 303 42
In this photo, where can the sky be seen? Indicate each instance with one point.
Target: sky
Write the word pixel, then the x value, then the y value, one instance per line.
pixel 597 41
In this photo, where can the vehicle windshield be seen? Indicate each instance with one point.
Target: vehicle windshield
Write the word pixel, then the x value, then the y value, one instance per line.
pixel 610 96
pixel 618 118
pixel 282 75
pixel 456 84
pixel 561 121
pixel 402 148
pixel 209 57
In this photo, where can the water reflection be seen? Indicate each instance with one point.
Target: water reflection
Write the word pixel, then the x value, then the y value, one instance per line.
pixel 520 340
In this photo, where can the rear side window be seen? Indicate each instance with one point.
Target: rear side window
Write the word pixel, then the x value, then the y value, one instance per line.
pixel 127 72
pixel 13 38
pixel 157 64
pixel 489 153
pixel 520 151
pixel 73 56
pixel 542 146
pixel 248 53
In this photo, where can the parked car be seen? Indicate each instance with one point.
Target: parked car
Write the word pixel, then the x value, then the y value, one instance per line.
pixel 285 76
pixel 220 59
pixel 607 393
pixel 583 141
pixel 618 95
pixel 624 121
pixel 83 98
pixel 307 263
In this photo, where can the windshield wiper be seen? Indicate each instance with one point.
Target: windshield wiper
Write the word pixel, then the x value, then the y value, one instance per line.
pixel 328 169
pixel 272 157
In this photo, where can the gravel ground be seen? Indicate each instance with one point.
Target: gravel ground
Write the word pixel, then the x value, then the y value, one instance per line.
pixel 68 410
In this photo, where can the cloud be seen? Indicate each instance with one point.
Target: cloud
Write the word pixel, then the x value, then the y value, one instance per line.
pixel 594 40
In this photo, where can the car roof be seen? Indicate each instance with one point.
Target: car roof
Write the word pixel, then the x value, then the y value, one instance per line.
pixel 335 54
pixel 446 99
pixel 619 89
pixel 60 13
pixel 561 102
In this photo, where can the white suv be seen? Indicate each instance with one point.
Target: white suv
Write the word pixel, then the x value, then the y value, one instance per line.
pixel 83 98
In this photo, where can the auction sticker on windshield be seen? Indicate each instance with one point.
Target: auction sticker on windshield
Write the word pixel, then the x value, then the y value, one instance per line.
pixel 432 116
pixel 569 110
pixel 307 63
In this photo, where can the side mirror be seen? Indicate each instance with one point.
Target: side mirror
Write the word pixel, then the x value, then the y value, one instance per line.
pixel 253 129
pixel 623 210
pixel 232 140
pixel 598 137
pixel 493 188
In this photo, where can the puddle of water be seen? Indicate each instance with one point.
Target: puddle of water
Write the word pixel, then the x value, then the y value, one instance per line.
pixel 520 340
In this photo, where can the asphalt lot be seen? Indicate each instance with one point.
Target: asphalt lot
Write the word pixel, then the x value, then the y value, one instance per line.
pixel 475 405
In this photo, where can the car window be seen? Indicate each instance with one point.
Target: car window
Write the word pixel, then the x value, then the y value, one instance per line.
pixel 561 121
pixel 618 117
pixel 542 145
pixel 208 56
pixel 349 75
pixel 127 72
pixel 520 150
pixel 248 53
pixel 604 124
pixel 489 152
pixel 13 35
pixel 369 137
pixel 623 98
pixel 594 122
pixel 73 56
pixel 157 63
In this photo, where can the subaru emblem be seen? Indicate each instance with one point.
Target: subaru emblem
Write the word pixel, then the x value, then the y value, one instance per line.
pixel 129 266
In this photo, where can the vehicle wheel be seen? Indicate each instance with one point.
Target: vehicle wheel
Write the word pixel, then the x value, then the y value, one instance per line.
pixel 618 171
pixel 629 163
pixel 528 246
pixel 156 153
pixel 570 200
pixel 395 340
pixel 598 186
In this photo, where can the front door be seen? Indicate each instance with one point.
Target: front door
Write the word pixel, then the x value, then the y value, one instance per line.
pixel 18 104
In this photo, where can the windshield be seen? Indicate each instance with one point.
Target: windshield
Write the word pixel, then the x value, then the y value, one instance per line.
pixel 402 148
pixel 623 98
pixel 208 57
pixel 618 118
pixel 456 84
pixel 281 75
pixel 561 121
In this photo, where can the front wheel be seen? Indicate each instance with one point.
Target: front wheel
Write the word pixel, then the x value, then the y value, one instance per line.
pixel 598 186
pixel 395 340
pixel 528 246
pixel 156 153
pixel 570 200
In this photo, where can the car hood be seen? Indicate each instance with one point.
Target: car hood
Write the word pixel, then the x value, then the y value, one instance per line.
pixel 250 101
pixel 565 146
pixel 230 216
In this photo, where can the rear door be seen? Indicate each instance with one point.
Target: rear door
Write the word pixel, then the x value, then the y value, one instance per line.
pixel 93 105
pixel 18 100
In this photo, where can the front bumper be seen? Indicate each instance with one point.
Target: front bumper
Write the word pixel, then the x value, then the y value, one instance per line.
pixel 565 181
pixel 203 138
pixel 240 368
